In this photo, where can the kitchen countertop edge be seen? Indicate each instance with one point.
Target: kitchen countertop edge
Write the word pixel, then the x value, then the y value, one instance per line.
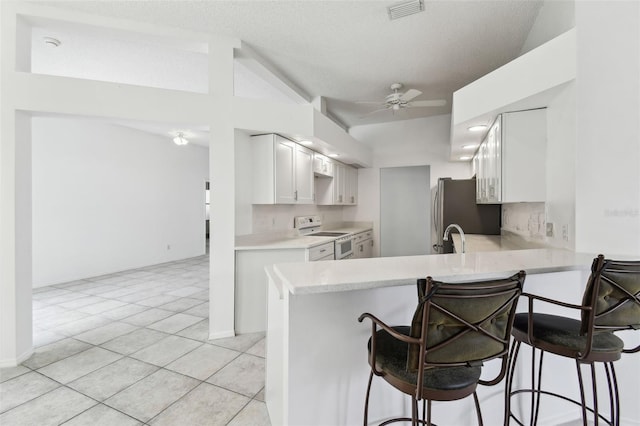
pixel 285 241
pixel 363 274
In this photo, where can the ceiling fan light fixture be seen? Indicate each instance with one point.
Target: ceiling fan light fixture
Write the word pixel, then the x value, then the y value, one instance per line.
pixel 180 139
pixel 406 8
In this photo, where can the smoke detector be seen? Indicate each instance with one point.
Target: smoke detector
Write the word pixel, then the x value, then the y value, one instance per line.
pixel 406 8
pixel 52 42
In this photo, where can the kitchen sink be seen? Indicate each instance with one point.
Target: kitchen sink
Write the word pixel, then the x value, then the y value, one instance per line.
pixel 327 234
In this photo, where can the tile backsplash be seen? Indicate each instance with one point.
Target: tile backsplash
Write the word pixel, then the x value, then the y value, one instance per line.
pixel 275 218
pixel 525 219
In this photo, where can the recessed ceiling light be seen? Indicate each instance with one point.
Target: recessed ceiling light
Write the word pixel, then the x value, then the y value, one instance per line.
pixel 466 157
pixel 52 42
pixel 477 128
pixel 333 155
pixel 470 146
pixel 180 139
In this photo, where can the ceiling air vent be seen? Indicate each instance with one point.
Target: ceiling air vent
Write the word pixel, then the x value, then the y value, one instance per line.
pixel 406 8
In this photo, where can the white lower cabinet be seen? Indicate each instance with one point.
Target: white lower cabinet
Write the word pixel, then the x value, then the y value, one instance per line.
pixel 323 252
pixel 251 285
pixel 363 245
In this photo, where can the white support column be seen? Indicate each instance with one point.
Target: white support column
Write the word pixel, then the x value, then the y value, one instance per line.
pixel 608 128
pixel 222 178
pixel 15 204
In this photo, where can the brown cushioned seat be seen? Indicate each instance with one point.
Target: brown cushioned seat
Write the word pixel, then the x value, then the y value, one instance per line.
pixel 392 359
pixel 455 328
pixel 611 302
pixel 553 332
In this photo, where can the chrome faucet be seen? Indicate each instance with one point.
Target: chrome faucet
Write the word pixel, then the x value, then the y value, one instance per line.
pixel 447 232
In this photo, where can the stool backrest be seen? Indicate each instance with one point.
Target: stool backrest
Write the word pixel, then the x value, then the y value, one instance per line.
pixel 613 295
pixel 463 323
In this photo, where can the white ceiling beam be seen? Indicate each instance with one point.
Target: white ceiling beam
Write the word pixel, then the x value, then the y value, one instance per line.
pixel 262 68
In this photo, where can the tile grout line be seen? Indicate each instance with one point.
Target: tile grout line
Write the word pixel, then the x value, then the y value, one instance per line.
pixel 193 270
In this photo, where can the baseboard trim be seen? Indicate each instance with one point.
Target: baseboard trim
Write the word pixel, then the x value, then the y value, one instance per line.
pixel 14 362
pixel 222 334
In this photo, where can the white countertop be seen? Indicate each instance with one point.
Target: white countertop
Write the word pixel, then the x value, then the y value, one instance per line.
pixel 290 240
pixel 360 274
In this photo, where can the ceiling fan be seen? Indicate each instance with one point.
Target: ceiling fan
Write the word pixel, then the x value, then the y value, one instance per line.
pixel 397 101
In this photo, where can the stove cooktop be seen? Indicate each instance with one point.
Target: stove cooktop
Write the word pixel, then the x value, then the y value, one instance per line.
pixel 327 234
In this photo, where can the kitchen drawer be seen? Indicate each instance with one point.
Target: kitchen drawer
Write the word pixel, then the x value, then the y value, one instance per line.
pixel 361 236
pixel 318 252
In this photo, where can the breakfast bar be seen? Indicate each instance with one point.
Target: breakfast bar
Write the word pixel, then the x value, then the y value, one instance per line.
pixel 317 367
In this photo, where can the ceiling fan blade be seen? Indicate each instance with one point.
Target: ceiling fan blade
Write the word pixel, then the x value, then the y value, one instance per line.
pixel 372 112
pixel 410 94
pixel 433 103
pixel 370 102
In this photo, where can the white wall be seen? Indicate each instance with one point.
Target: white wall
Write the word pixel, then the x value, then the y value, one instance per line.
pixel 560 206
pixel 108 198
pixel 608 128
pixel 422 141
pixel 554 18
pixel 119 56
pixel 243 184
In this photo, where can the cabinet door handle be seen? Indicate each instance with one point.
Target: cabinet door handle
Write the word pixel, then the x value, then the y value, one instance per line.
pixel 295 195
pixel 361 248
pixel 323 250
pixel 353 199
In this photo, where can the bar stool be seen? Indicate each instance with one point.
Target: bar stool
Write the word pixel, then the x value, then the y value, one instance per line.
pixel 611 303
pixel 455 328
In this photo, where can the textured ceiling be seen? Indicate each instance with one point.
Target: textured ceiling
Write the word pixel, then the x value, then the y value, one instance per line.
pixel 349 51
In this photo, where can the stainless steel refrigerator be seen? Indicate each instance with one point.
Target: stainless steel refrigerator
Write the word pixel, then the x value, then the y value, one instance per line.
pixel 455 202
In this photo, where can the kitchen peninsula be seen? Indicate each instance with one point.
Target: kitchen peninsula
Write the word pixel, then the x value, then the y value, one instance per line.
pixel 254 252
pixel 317 367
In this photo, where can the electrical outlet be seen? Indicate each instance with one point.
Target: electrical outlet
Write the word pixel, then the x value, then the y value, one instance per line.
pixel 550 230
pixel 565 232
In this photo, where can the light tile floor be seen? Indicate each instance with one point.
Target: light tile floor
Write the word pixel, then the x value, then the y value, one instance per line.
pixel 132 348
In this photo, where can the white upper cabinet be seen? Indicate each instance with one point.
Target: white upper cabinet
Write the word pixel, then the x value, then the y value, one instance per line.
pixel 341 190
pixel 305 188
pixel 322 165
pixel 510 162
pixel 350 185
pixel 282 171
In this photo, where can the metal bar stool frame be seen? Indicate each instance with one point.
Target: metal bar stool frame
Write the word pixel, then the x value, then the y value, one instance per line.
pixel 433 299
pixel 595 322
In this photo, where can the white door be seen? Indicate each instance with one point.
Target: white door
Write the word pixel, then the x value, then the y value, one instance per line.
pixel 405 203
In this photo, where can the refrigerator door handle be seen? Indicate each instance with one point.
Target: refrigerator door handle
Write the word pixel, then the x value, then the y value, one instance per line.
pixel 435 210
